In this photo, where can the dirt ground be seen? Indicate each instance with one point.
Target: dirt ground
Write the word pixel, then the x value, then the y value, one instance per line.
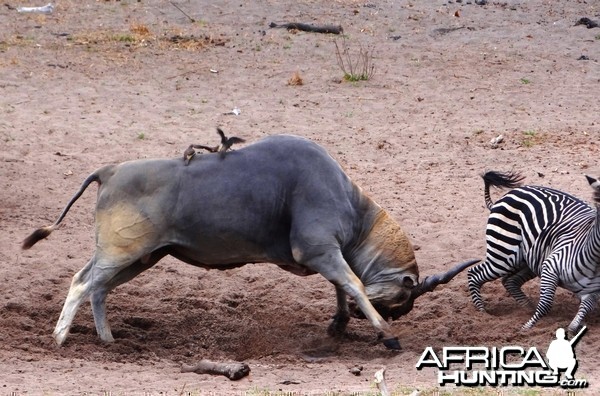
pixel 99 82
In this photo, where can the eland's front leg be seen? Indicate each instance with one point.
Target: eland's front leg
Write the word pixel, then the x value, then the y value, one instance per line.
pixel 334 268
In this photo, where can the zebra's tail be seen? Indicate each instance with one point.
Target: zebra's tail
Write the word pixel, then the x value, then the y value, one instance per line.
pixel 499 180
pixel 596 186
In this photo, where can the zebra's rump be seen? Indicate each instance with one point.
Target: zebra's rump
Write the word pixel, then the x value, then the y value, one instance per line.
pixel 540 232
pixel 529 223
pixel 532 211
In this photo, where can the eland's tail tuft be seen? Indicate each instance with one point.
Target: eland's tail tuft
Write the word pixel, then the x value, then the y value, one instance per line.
pixel 37 236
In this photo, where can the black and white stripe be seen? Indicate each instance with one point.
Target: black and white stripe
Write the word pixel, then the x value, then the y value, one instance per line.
pixel 539 231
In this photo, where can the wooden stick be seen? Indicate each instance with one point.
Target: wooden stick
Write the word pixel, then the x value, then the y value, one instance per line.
pixel 233 370
pixel 309 28
pixel 183 12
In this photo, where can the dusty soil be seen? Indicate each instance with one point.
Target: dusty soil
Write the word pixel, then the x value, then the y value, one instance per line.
pixel 98 82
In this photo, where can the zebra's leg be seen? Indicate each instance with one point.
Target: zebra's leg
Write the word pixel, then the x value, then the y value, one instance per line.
pixel 548 284
pixel 513 282
pixel 587 305
pixel 483 273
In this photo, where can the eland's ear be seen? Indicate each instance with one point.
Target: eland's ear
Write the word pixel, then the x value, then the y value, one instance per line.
pixel 408 282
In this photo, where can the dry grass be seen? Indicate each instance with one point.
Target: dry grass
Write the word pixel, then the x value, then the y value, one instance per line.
pixel 140 29
pixel 136 37
pixel 295 80
pixel 356 67
pixel 192 42
pixel 531 138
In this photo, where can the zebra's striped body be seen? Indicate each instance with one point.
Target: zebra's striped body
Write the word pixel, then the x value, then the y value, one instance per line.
pixel 538 231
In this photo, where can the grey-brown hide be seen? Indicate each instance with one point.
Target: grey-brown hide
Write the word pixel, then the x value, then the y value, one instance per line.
pixel 386 243
pixel 281 200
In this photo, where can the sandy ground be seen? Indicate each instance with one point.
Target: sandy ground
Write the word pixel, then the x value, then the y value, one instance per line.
pixel 99 82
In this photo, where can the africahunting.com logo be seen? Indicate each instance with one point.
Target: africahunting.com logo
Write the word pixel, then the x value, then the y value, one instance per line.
pixel 507 366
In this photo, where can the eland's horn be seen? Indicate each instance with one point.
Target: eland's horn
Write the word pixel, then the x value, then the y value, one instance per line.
pixel 431 282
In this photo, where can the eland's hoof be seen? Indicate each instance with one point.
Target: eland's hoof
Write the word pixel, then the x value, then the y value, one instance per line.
pixel 392 343
pixel 59 337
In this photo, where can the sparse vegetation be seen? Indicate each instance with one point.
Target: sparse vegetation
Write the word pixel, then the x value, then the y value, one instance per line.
pixel 140 29
pixel 525 81
pixel 529 138
pixel 141 136
pixel 127 38
pixel 296 79
pixel 140 35
pixel 355 68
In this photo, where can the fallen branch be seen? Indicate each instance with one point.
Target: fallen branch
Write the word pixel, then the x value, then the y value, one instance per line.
pixel 234 370
pixel 588 23
pixel 308 28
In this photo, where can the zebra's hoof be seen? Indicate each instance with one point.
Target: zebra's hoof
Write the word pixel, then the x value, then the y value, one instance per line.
pixel 526 327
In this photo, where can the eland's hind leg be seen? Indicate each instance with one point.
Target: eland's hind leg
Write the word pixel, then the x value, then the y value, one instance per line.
pixel 98 297
pixel 94 277
pixel 81 287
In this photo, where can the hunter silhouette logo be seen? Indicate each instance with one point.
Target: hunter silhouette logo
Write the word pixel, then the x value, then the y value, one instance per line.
pixel 561 354
pixel 511 365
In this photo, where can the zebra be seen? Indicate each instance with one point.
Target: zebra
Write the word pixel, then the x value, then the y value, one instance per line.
pixel 539 231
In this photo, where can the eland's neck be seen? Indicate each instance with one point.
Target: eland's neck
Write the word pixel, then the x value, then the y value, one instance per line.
pixel 384 252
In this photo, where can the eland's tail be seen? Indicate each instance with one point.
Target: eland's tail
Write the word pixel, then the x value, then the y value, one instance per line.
pixel 43 232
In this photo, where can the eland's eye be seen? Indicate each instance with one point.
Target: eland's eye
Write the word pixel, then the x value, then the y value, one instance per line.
pixel 408 282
